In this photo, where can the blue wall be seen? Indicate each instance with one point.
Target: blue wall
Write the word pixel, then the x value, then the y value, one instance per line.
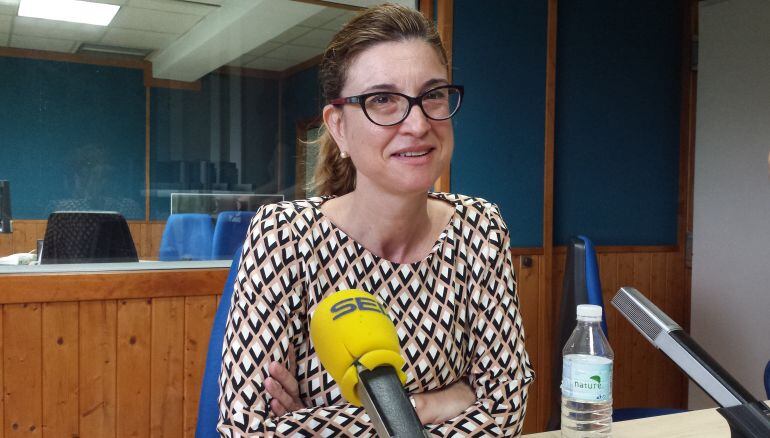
pixel 617 121
pixel 617 117
pixel 72 136
pixel 499 133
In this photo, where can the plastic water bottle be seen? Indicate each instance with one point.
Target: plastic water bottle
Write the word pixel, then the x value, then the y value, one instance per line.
pixel 586 385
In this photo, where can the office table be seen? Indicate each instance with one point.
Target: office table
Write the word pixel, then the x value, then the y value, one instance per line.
pixel 705 423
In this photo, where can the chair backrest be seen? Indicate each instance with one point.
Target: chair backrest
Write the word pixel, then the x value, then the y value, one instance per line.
pixel 592 280
pixel 187 236
pixel 208 406
pixel 581 285
pixel 767 379
pixel 87 237
pixel 230 232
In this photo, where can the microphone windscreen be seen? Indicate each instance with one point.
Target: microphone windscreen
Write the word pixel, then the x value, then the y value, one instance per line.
pixel 349 328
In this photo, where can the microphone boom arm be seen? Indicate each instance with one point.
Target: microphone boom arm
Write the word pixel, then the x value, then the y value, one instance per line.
pixel 746 416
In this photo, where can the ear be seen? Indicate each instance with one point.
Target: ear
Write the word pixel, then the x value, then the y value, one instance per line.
pixel 333 118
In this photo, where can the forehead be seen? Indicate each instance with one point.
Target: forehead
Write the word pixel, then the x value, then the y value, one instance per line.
pixel 403 64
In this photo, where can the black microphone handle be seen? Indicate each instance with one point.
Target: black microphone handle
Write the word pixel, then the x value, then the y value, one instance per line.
pixel 387 404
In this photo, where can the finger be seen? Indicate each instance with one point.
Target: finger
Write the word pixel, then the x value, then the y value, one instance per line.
pixel 276 408
pixel 275 389
pixel 292 360
pixel 287 380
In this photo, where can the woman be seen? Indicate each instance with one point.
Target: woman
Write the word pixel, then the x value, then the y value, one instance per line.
pixel 438 262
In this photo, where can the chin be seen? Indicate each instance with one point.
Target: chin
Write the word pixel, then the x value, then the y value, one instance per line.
pixel 413 186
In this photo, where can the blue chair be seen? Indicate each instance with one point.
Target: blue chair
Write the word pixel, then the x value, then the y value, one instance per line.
pixel 767 379
pixel 592 280
pixel 230 232
pixel 187 236
pixel 582 285
pixel 208 406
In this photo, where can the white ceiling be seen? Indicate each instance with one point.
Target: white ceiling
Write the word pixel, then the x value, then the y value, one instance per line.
pixel 186 39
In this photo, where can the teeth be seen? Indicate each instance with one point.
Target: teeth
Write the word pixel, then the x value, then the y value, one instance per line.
pixel 413 154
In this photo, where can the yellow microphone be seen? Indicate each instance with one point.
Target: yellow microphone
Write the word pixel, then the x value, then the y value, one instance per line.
pixel 357 344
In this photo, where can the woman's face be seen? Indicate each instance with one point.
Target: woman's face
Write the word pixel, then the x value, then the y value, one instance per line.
pixel 410 156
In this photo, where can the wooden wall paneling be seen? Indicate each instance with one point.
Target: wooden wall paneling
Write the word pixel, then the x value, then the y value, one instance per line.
pixel 156 233
pixel 40 231
pixel 608 270
pixel 98 369
pixel 678 308
pixel 426 7
pixel 133 368
pixel 557 276
pixel 548 297
pixel 623 371
pixel 656 372
pixel 137 237
pixel 167 375
pixel 6 244
pixel 642 350
pixel 198 319
pixel 550 303
pixel 608 275
pixel 146 247
pixel 24 236
pixel 543 349
pixel 60 369
pixel 22 365
pixel 528 287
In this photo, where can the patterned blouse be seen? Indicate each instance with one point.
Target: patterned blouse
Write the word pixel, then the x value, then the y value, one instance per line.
pixel 456 313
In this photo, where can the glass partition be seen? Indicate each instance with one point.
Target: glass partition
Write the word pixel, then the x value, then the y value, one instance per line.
pixel 176 120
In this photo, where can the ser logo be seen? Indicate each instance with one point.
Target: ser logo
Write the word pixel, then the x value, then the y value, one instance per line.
pixel 349 305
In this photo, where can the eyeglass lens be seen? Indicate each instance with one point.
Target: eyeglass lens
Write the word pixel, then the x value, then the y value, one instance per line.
pixel 389 108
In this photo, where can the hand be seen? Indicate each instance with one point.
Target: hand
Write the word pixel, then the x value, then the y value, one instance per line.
pixel 283 388
pixel 438 406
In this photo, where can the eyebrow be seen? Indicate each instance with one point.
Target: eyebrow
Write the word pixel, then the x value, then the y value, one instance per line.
pixel 392 87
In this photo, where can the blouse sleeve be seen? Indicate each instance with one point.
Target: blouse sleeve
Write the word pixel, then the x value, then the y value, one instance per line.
pixel 267 314
pixel 500 371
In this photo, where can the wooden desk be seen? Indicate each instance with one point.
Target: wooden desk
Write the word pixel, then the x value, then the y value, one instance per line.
pixel 705 423
pixel 104 354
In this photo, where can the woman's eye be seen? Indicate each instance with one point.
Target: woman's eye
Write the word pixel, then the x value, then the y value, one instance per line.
pixel 436 94
pixel 381 99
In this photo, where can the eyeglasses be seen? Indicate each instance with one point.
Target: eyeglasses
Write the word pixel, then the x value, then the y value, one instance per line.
pixel 388 109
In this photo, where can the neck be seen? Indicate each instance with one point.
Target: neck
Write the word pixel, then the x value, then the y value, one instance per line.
pixel 393 226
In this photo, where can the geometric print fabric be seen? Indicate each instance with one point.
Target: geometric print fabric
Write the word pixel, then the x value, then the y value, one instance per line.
pixel 456 314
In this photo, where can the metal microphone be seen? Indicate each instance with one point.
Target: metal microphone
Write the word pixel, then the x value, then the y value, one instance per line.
pixel 747 416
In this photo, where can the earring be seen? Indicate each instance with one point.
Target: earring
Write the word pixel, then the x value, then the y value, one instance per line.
pixel 343 154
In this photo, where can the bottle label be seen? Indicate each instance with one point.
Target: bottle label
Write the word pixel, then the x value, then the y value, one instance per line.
pixel 587 378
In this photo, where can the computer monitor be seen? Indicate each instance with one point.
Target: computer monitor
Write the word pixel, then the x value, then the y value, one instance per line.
pixel 5 206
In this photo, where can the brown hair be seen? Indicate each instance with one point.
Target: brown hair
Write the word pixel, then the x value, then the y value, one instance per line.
pixel 335 175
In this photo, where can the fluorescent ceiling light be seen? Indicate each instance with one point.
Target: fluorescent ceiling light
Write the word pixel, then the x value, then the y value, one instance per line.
pixel 74 11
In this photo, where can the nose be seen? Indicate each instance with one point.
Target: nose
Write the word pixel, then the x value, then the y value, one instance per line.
pixel 416 123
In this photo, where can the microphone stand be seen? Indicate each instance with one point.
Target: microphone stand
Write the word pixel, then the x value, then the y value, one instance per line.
pixel 748 420
pixel 747 417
